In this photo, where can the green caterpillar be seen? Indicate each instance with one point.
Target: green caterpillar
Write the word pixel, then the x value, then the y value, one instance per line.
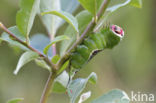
pixel 108 37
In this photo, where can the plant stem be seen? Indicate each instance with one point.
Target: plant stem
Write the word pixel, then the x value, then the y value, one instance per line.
pixel 28 46
pixel 56 67
pixel 53 46
pixel 54 49
pixel 53 66
pixel 48 87
pixel 52 76
pixel 90 26
pixel 50 36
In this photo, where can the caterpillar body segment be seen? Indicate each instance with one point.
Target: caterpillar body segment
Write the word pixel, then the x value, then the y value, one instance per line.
pixel 107 38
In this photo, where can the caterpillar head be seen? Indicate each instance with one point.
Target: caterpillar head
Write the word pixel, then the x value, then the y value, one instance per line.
pixel 113 35
pixel 117 30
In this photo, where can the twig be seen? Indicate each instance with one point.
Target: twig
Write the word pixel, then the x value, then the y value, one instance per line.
pixel 53 67
pixel 28 46
pixel 50 35
pixel 89 27
pixel 52 76
pixel 56 67
pixel 53 46
pixel 48 87
pixel 54 49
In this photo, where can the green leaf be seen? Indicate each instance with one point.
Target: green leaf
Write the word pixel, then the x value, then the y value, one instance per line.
pixel 12 42
pixel 55 40
pixel 61 83
pixel 64 66
pixel 26 15
pixel 15 100
pixel 63 78
pixel 66 16
pixel 83 18
pixel 58 88
pixel 84 97
pixel 92 78
pixel 55 59
pixel 136 3
pixel 77 86
pixel 115 7
pixel 51 22
pixel 114 96
pixel 25 58
pixel 69 5
pixel 91 5
pixel 42 64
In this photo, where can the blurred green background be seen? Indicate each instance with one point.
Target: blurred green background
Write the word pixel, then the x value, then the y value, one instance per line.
pixel 131 66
